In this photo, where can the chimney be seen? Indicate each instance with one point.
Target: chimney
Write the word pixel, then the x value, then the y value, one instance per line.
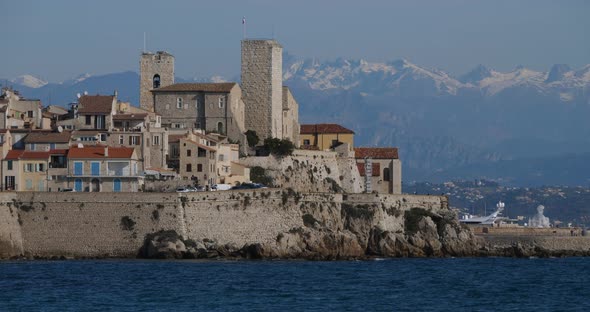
pixel 106 151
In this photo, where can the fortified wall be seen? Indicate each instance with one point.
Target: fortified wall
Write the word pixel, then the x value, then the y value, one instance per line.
pixel 115 224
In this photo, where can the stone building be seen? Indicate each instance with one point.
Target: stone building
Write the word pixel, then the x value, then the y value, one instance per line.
pixel 212 107
pixel 325 136
pixel 262 85
pixel 197 158
pixel 291 127
pixel 156 71
pixel 103 169
pixel 19 113
pixel 386 175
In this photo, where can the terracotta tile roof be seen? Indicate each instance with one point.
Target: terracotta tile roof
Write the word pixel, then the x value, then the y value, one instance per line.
pixel 22 154
pixel 323 129
pixel 129 116
pixel 48 137
pixel 376 167
pixel 95 104
pixel 98 152
pixel 198 87
pixel 376 152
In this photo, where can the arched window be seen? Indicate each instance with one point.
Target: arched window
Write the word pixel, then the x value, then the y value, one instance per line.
pixel 179 103
pixel 220 127
pixel 386 174
pixel 156 81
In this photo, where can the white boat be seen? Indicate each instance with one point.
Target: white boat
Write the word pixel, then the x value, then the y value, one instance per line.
pixel 487 220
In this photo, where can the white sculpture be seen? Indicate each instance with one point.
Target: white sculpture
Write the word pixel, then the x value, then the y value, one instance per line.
pixel 539 220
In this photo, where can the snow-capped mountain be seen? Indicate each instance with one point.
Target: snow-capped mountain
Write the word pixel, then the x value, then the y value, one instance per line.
pixel 405 78
pixel 29 81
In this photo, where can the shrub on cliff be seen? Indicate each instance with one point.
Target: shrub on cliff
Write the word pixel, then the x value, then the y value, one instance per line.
pixel 258 175
pixel 279 147
pixel 252 138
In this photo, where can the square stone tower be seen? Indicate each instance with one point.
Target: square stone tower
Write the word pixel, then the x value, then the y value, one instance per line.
pixel 155 71
pixel 262 87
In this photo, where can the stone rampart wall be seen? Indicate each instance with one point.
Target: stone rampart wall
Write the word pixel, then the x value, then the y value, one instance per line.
pixel 115 224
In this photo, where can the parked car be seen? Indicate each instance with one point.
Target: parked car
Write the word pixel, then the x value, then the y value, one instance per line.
pixel 247 186
pixel 68 190
pixel 182 190
pixel 221 187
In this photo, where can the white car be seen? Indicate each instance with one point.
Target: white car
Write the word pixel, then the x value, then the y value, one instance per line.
pixel 221 187
pixel 182 190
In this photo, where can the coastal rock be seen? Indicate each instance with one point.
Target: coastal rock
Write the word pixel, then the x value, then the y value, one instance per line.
pixel 163 245
pixel 322 244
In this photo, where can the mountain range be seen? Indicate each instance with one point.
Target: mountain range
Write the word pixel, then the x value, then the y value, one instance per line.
pixel 483 124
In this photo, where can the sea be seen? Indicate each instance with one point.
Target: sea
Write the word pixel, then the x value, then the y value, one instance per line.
pixel 449 284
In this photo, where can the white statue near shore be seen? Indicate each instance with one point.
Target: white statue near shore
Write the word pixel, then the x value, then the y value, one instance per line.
pixel 539 220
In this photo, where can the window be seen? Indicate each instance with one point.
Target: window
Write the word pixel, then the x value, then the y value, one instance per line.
pixel 41 167
pixel 177 126
pixel 121 140
pixel 103 137
pixel 33 146
pixel 88 119
pixel 189 167
pixel 188 153
pixel 201 153
pixel 51 146
pixel 386 174
pixel 175 152
pixel 179 103
pixel 78 168
pixel 306 142
pixel 220 127
pixel 156 140
pixel 134 140
pixel 29 168
pixel 9 165
pixel 199 168
pixel 30 114
pixel 221 156
pixel 156 81
pixel 29 185
pixel 221 101
pixel 197 103
pixel 95 168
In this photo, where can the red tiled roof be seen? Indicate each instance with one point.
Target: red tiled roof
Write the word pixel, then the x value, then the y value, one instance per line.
pixel 324 129
pixel 129 116
pixel 95 104
pixel 22 154
pixel 376 152
pixel 376 167
pixel 98 152
pixel 198 87
pixel 48 137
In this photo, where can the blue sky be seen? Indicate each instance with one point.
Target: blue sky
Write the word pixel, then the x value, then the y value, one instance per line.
pixel 59 39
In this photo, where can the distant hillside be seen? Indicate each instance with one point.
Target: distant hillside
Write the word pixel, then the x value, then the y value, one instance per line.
pixel 566 204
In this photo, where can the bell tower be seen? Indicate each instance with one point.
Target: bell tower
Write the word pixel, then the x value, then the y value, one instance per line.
pixel 155 71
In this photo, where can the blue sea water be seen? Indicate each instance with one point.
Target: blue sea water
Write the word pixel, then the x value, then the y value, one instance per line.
pixel 467 284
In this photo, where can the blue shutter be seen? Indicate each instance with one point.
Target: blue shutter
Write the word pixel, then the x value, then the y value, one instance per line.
pixel 78 185
pixel 78 168
pixel 117 185
pixel 95 168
